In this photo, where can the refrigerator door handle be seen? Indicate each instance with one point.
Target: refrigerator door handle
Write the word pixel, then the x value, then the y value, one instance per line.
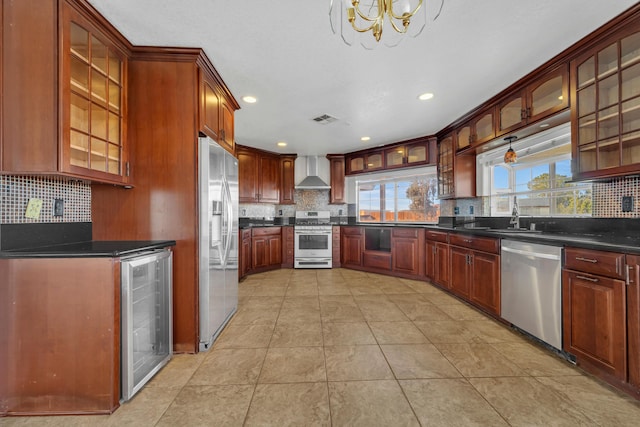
pixel 229 221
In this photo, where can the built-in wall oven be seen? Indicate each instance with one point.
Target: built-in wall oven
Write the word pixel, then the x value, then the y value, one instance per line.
pixel 313 240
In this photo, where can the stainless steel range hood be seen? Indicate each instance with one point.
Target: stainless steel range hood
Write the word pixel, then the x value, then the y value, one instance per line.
pixel 312 180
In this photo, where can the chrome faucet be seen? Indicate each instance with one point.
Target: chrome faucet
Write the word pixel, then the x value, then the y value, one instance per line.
pixel 515 215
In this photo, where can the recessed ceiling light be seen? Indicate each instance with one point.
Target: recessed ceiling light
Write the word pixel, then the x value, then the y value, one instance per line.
pixel 544 125
pixel 281 144
pixel 365 138
pixel 425 96
pixel 250 99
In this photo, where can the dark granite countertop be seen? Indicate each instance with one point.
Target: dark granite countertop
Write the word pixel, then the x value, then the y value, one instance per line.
pixel 89 249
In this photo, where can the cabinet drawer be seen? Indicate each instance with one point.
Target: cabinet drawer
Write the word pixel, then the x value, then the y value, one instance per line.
pixel 266 231
pixel 608 264
pixel 352 231
pixel 377 260
pixel 437 236
pixel 485 244
pixel 405 232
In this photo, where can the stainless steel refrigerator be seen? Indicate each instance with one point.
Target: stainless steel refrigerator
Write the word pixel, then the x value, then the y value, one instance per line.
pixel 218 239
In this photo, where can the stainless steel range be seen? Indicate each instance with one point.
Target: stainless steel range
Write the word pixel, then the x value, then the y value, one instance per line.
pixel 313 239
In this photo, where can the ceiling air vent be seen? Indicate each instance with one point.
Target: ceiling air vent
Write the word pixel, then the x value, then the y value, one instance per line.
pixel 325 119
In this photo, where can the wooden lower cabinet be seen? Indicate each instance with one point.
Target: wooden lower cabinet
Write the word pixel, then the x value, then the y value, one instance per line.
pixel 59 336
pixel 441 266
pixel 594 321
pixel 460 271
pixel 335 247
pixel 485 281
pixel 287 247
pixel 406 245
pixel 633 319
pixel 266 248
pixel 352 246
pixel 245 252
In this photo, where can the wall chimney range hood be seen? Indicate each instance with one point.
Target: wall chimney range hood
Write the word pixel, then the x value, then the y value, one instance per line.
pixel 312 181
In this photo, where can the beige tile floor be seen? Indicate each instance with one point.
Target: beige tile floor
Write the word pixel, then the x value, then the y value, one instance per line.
pixel 345 348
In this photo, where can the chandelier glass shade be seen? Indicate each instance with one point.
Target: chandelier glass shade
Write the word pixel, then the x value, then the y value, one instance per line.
pixel 363 21
pixel 510 156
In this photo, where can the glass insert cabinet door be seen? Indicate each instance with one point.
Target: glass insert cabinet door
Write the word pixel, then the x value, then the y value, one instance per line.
pixel 95 72
pixel 607 123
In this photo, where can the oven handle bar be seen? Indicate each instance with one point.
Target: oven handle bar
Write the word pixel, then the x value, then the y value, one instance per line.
pixel 313 232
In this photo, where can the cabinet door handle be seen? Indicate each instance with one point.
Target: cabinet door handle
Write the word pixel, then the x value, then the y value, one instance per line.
pixel 523 114
pixel 593 261
pixel 629 280
pixel 528 112
pixel 128 169
pixel 589 279
pixel 467 240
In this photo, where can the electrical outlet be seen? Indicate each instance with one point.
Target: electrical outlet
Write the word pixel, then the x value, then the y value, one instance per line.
pixel 456 210
pixel 470 210
pixel 58 207
pixel 627 204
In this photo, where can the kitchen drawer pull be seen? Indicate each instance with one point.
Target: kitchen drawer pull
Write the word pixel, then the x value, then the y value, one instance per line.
pixel 467 240
pixel 590 279
pixel 579 258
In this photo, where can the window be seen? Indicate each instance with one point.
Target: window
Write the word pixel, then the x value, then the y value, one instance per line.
pixel 540 180
pixel 404 198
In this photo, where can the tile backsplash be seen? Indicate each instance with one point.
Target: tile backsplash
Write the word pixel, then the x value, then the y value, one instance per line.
pixel 15 192
pixel 305 200
pixel 607 198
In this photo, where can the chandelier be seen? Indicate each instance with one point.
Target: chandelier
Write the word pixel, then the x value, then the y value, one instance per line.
pixel 353 19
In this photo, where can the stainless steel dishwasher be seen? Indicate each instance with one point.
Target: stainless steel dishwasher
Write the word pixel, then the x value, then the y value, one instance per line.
pixel 531 290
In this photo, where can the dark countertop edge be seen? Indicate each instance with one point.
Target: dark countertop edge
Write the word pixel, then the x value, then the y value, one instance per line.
pixel 127 247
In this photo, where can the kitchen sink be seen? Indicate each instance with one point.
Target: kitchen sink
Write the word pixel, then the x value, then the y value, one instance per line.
pixel 515 230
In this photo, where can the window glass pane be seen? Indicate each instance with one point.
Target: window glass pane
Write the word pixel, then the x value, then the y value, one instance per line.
pixel 540 178
pixel 369 202
pixel 389 202
pixel 523 176
pixel 563 173
pixel 500 178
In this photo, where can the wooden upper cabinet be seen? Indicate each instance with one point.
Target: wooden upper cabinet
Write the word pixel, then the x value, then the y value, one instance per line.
pixel 413 154
pixel 287 179
pixel 479 130
pixel 446 154
pixel 69 116
pixel 336 168
pixel 605 125
pixel 209 109
pixel 216 113
pixel 260 174
pixel 540 99
pixel 365 162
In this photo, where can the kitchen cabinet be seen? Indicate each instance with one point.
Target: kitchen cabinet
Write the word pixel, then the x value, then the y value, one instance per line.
pixel 266 248
pixel 477 131
pixel 352 246
pixel 216 114
pixel 245 252
pixel 413 154
pixel 336 168
pixel 594 310
pixel 456 173
pixel 288 246
pixel 69 116
pixel 475 270
pixel 335 246
pixel 62 329
pixel 287 179
pixel 605 123
pixel 377 248
pixel 259 173
pixel 406 250
pixel 163 95
pixel 545 96
pixel 437 250
pixel 365 162
pixel 633 318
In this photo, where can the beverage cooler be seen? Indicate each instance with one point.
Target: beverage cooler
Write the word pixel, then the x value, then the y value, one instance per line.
pixel 146 332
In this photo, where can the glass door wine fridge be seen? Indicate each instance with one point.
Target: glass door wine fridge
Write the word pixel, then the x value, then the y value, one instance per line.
pixel 146 322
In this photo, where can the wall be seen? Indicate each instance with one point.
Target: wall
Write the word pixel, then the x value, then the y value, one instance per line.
pixel 15 192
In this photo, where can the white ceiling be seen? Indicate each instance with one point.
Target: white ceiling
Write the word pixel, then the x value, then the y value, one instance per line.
pixel 284 53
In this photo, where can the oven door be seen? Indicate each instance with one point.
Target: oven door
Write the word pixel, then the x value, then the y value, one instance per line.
pixel 313 243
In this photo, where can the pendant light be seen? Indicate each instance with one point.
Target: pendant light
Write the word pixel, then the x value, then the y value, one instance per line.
pixel 510 156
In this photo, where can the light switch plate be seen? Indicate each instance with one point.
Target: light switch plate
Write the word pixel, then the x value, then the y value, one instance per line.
pixel 33 209
pixel 627 204
pixel 58 207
